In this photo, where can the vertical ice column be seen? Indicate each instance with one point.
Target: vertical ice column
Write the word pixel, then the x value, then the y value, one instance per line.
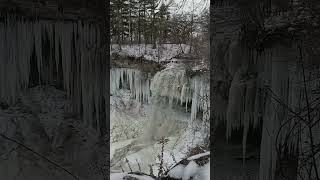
pixel 274 115
pixel 16 45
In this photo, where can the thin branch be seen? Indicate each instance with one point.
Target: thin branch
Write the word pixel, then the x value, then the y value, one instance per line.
pixel 309 116
pixel 36 153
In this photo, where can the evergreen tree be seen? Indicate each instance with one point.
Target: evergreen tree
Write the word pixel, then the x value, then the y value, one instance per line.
pixel 162 25
pixel 139 21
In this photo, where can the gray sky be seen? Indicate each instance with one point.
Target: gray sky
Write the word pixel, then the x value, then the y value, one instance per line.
pixel 183 6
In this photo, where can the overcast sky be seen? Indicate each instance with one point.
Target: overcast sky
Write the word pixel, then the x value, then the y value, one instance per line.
pixel 184 6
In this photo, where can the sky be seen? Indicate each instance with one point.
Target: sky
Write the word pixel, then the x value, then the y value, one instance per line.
pixel 185 6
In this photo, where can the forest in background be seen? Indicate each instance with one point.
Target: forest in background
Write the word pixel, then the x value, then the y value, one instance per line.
pixel 153 22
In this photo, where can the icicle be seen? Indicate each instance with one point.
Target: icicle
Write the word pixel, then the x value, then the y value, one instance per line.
pixel 38 45
pixel 134 80
pixel 81 76
pixel 273 119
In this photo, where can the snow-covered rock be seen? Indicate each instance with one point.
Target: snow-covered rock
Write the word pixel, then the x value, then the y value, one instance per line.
pixel 195 167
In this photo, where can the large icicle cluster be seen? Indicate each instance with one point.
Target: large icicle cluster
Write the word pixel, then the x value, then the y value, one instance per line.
pixel 16 45
pixel 200 97
pixel 170 86
pixel 285 113
pixel 134 80
pixel 173 86
pixel 271 90
pixel 60 52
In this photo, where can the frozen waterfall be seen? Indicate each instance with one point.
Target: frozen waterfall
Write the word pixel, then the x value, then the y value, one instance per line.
pixel 270 90
pixel 170 86
pixel 53 52
pixel 173 86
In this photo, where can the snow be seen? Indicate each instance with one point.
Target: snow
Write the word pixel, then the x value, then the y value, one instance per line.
pixel 177 172
pixel 199 156
pixel 165 52
pixel 190 171
pixel 120 176
pixel 204 172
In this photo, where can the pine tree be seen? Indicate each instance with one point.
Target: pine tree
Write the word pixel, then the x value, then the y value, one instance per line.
pixel 119 20
pixel 133 14
pixel 162 25
pixel 141 21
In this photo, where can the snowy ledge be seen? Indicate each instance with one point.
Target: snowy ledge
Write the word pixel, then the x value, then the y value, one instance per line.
pixel 126 61
pixel 147 59
pixel 162 53
pixel 285 28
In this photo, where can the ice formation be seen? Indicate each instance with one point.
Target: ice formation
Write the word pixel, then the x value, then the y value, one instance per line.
pixel 174 86
pixel 134 80
pixel 170 86
pixel 270 90
pixel 65 53
pixel 285 97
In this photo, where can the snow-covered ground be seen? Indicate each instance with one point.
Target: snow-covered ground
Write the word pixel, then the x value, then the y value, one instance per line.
pixel 197 169
pixel 164 52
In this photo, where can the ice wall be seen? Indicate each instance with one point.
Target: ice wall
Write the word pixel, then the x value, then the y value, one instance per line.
pixel 65 52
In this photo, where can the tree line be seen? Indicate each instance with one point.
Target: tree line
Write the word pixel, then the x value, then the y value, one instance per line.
pixel 151 22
